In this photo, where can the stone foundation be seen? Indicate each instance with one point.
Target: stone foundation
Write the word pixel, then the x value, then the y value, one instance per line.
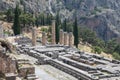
pixel 25 68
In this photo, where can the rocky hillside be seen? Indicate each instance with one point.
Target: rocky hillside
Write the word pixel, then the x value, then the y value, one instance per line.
pixel 102 16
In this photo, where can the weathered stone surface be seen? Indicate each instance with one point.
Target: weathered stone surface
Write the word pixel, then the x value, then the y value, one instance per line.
pixel 66 38
pixel 61 37
pixel 71 39
pixel 53 32
pixel 8 46
pixel 34 36
pixel 7 64
pixel 10 76
pixel 25 68
pixel 1 31
pixel 44 38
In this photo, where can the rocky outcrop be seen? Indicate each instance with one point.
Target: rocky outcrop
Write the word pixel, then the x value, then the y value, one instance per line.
pixel 8 46
pixel 103 16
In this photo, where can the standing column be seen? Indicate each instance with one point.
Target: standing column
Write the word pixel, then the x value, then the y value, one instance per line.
pixel 1 48
pixel 44 41
pixel 61 36
pixel 53 32
pixel 71 39
pixel 66 38
pixel 34 36
pixel 1 31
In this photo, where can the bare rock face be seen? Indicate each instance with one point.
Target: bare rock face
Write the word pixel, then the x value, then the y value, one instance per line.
pixel 6 4
pixel 102 16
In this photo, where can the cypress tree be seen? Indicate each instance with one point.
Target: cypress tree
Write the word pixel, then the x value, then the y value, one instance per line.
pixel 48 19
pixel 42 19
pixel 75 33
pixel 16 25
pixel 36 22
pixel 65 25
pixel 57 24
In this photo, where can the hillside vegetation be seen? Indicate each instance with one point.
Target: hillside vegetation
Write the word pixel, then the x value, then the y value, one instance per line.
pixel 21 18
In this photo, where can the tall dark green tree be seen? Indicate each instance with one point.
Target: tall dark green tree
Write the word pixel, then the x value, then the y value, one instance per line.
pixel 37 22
pixel 57 25
pixel 43 19
pixel 65 25
pixel 16 25
pixel 75 33
pixel 48 19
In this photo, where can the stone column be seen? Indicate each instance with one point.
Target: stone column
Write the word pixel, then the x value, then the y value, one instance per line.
pixel 1 31
pixel 61 37
pixel 44 41
pixel 53 32
pixel 66 38
pixel 71 39
pixel 34 36
pixel 1 48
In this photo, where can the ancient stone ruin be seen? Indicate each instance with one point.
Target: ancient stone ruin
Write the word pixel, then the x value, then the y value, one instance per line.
pixel 61 37
pixel 1 31
pixel 44 38
pixel 34 36
pixel 71 39
pixel 64 37
pixel 53 32
pixel 7 64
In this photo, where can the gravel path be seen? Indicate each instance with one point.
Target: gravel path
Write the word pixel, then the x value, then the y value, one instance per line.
pixel 57 74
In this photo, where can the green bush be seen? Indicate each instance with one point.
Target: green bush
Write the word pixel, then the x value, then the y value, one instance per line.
pixel 116 56
pixel 97 49
pixel 44 30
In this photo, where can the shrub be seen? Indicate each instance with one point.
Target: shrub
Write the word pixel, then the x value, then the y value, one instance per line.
pixel 97 49
pixel 116 56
